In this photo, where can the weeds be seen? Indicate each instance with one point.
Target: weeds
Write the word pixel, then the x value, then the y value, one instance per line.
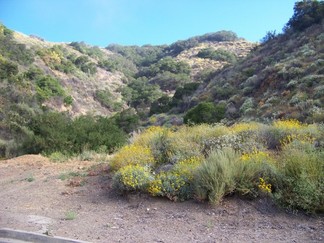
pixel 30 178
pixel 70 215
pixel 58 157
pixel 69 175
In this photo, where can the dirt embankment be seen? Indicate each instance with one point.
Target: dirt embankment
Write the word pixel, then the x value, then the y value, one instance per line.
pixel 75 200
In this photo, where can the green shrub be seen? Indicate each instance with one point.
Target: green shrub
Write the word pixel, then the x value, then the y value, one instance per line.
pixel 107 100
pixel 215 177
pixel 85 65
pixel 56 132
pixel 119 63
pixel 301 178
pixel 7 69
pixel 219 36
pixel 87 155
pixel 58 157
pixel 47 87
pixel 94 51
pixel 9 149
pixel 70 215
pixel 91 133
pixel 68 100
pixel 254 173
pixel 51 133
pixel 140 92
pixel 12 50
pixel 162 148
pixel 248 104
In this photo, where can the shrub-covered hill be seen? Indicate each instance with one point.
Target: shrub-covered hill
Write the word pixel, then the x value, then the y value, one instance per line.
pixel 281 78
pixel 203 79
pixel 101 81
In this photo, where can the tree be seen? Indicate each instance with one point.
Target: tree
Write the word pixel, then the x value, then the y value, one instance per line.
pixel 51 133
pixel 306 13
pixel 270 35
pixel 205 112
pixel 217 55
pixel 140 92
pixel 161 105
pixel 127 120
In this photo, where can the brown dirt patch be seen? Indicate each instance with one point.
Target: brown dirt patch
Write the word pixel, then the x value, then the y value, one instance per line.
pixel 75 200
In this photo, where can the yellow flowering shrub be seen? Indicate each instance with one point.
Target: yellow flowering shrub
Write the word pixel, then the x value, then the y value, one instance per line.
pixel 132 155
pixel 55 57
pixel 132 178
pixel 296 130
pixel 188 166
pixel 256 156
pixel 288 124
pixel 172 185
pixel 177 183
pixel 155 187
pixel 146 137
pixel 284 159
pixel 263 186
pixel 201 132
pixel 51 57
pixel 301 137
pixel 244 126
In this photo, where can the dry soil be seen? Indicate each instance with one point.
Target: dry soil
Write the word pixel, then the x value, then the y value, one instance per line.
pixel 75 200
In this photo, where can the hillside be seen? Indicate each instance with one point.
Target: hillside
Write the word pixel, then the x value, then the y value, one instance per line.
pixel 281 78
pixel 92 77
pixel 76 70
pixel 204 79
pixel 78 79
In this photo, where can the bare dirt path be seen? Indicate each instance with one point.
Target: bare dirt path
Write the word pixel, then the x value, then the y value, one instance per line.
pixel 75 200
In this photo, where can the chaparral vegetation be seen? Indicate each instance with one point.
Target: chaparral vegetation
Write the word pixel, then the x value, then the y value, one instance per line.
pixel 282 160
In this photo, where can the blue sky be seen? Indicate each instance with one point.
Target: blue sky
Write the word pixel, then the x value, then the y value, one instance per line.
pixel 139 22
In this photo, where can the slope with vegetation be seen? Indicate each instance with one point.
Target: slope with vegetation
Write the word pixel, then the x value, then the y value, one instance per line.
pixel 44 85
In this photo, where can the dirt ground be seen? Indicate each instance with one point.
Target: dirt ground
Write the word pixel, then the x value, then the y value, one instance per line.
pixel 75 200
